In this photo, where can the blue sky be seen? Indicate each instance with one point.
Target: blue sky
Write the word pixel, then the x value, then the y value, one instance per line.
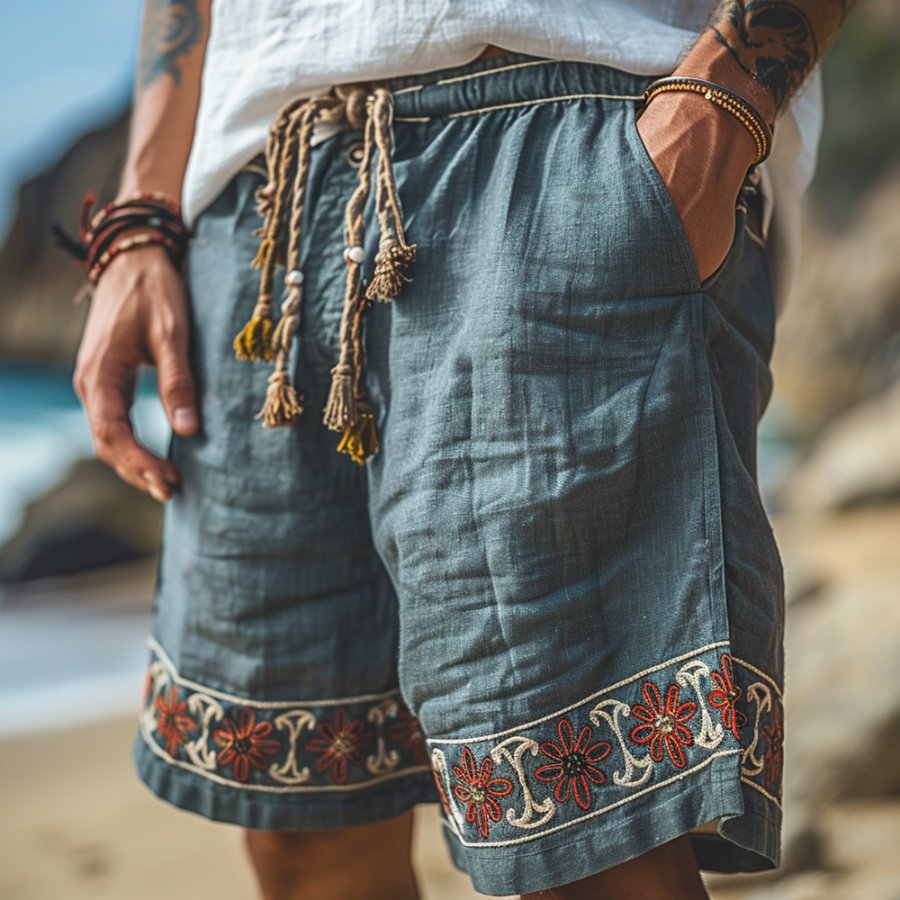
pixel 64 66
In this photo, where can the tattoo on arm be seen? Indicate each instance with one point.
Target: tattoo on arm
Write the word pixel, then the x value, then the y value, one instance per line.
pixel 775 41
pixel 172 28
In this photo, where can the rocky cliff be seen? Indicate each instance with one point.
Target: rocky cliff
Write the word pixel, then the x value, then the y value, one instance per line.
pixel 37 279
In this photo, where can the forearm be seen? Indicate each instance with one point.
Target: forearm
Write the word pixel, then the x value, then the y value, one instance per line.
pixel 765 49
pixel 166 94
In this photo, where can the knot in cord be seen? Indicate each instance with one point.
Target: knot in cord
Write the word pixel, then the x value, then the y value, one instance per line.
pixel 354 105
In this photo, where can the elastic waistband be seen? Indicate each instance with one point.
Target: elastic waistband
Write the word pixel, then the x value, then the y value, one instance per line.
pixel 507 81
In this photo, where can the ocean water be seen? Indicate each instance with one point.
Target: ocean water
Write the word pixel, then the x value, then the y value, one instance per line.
pixel 43 429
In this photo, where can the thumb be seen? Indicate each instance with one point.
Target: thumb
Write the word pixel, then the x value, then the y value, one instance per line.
pixel 176 387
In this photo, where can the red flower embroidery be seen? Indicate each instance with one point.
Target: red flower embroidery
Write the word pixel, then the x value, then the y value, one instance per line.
pixel 407 732
pixel 173 722
pixel 477 790
pixel 774 756
pixel 245 743
pixel 726 695
pixel 340 744
pixel 664 729
pixel 573 764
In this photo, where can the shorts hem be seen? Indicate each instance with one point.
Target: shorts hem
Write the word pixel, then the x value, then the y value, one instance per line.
pixel 248 809
pixel 748 841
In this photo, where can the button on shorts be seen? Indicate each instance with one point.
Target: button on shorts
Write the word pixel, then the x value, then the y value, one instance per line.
pixel 551 600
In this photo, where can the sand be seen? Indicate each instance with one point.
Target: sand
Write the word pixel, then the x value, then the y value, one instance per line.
pixel 76 824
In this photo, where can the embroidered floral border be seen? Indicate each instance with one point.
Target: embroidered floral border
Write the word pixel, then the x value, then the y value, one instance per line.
pixel 650 730
pixel 280 747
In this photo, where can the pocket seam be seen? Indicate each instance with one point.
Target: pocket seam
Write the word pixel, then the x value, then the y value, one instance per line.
pixel 663 201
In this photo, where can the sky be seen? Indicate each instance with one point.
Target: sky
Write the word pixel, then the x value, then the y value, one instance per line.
pixel 64 67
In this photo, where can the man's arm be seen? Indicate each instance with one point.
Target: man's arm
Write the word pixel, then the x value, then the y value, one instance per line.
pixel 166 94
pixel 767 48
pixel 138 312
pixel 763 50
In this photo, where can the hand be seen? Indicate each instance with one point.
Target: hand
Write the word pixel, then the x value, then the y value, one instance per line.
pixel 702 154
pixel 138 315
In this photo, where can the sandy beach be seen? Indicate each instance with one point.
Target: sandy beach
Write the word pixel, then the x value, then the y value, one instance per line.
pixel 78 825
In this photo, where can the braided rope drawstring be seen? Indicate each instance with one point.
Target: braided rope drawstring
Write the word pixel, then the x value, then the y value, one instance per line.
pixel 341 412
pixel 254 341
pixel 283 404
pixel 288 151
pixel 394 255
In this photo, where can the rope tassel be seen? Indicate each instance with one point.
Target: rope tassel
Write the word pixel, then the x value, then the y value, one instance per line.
pixel 254 341
pixel 360 441
pixel 282 404
pixel 391 263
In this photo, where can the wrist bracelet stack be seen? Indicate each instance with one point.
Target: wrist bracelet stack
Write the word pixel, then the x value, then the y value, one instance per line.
pixel 142 219
pixel 728 100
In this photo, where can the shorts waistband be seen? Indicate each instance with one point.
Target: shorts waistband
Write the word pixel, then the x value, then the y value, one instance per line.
pixel 514 80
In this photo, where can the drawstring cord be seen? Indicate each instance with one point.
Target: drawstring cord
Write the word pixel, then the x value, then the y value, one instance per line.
pixel 280 202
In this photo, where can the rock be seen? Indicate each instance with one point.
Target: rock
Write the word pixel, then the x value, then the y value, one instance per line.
pixel 855 460
pixel 802 582
pixel 842 694
pixel 37 278
pixel 802 886
pixel 90 519
pixel 864 836
pixel 833 345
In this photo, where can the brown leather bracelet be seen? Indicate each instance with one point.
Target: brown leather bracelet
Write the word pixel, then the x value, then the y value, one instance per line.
pixel 724 98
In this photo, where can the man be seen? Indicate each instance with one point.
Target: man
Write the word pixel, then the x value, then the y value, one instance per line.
pixel 550 597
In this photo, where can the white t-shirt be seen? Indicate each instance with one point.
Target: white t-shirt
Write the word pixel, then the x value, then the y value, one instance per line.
pixel 263 53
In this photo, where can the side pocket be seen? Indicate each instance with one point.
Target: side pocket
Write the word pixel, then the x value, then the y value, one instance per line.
pixel 673 218
pixel 734 251
pixel 663 199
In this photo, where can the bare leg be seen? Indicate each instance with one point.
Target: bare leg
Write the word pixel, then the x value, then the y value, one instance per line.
pixel 667 872
pixel 368 862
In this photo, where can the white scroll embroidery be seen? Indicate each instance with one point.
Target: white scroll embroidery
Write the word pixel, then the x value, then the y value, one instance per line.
pixel 545 808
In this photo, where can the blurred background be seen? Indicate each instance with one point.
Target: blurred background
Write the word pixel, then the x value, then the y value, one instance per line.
pixel 77 546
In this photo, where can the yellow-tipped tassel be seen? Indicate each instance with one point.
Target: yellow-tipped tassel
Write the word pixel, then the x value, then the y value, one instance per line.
pixel 282 404
pixel 391 263
pixel 340 409
pixel 360 441
pixel 254 341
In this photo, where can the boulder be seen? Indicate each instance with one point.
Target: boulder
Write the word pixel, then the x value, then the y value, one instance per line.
pixel 855 460
pixel 842 693
pixel 91 518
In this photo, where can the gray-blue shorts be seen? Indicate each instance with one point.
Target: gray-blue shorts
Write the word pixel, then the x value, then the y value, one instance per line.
pixel 551 600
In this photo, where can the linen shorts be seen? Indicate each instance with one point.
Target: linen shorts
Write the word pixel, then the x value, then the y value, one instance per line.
pixel 551 600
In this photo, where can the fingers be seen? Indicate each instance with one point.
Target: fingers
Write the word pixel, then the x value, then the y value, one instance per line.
pixel 175 382
pixel 105 394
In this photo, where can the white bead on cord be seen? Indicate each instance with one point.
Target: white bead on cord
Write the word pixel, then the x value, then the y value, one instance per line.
pixel 294 278
pixel 355 254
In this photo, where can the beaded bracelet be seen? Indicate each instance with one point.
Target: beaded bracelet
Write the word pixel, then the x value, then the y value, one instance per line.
pixel 728 100
pixel 140 239
pixel 112 229
pixel 145 218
